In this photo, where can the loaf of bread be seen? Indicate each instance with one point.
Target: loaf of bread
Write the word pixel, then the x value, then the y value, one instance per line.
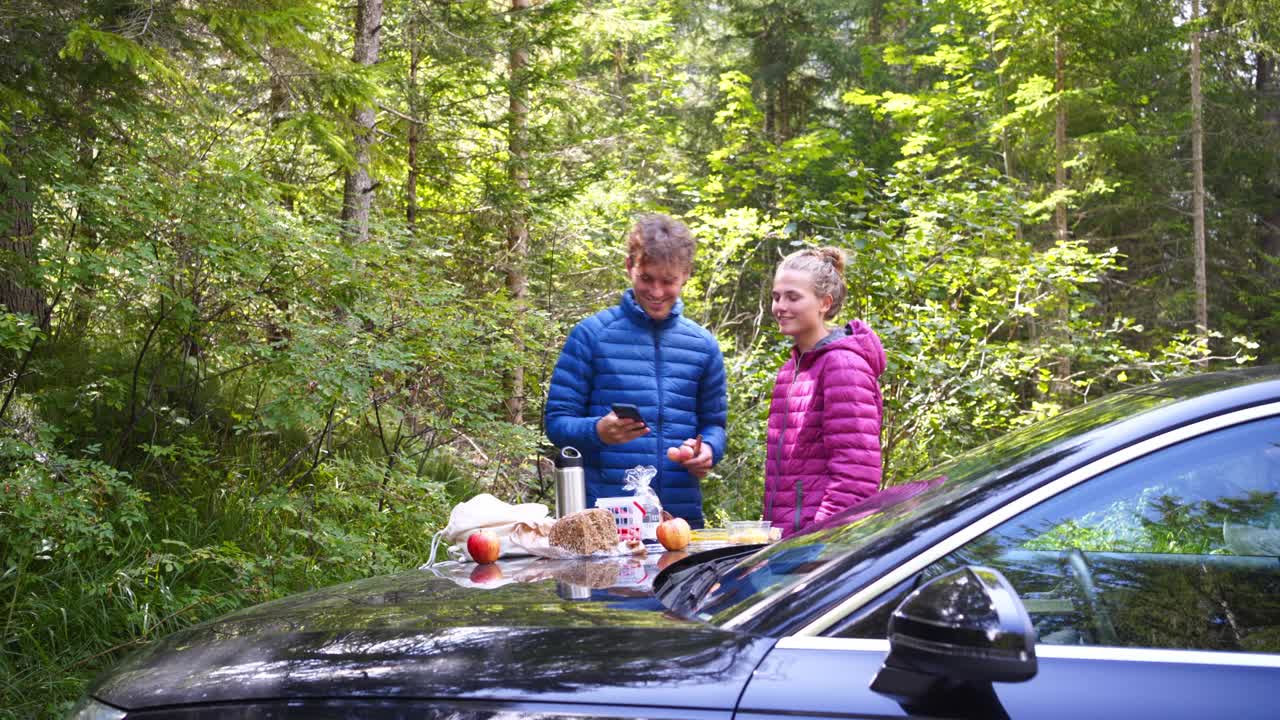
pixel 585 532
pixel 598 574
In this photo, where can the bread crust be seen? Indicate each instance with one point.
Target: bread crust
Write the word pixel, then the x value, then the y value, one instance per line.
pixel 585 532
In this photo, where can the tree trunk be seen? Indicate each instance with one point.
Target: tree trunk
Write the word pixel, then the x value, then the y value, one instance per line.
pixel 411 182
pixel 278 106
pixel 1006 149
pixel 19 290
pixel 1060 139
pixel 875 23
pixel 357 191
pixel 278 94
pixel 1061 385
pixel 770 112
pixel 83 299
pixel 1269 213
pixel 1197 177
pixel 517 227
pixel 1269 111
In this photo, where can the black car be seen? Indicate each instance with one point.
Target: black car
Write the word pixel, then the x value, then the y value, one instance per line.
pixel 1119 560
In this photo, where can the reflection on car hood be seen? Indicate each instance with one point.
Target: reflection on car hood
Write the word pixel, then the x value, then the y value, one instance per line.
pixel 599 638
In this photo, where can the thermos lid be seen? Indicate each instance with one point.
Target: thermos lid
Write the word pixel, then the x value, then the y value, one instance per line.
pixel 568 457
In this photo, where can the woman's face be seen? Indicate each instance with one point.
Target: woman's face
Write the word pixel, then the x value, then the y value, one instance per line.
pixel 798 310
pixel 657 286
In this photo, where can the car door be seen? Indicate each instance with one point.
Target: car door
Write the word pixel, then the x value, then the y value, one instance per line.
pixel 1154 587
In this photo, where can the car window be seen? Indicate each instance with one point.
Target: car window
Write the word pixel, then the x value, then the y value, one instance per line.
pixel 1178 549
pixel 964 479
pixel 749 588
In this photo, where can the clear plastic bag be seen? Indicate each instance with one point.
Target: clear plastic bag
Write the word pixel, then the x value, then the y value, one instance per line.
pixel 638 479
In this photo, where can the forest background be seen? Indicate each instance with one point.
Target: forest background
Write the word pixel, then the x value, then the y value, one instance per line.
pixel 282 281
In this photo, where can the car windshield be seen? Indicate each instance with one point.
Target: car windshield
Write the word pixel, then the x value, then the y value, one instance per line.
pixel 750 585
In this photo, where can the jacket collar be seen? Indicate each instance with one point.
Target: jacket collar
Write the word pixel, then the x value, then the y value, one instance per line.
pixel 836 335
pixel 856 336
pixel 637 313
pixel 839 333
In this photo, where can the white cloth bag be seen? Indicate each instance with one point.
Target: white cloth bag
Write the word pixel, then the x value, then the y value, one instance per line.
pixel 520 528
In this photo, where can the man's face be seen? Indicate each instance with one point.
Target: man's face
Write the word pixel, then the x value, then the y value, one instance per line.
pixel 657 286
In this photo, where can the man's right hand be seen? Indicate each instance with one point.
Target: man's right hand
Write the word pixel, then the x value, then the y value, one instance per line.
pixel 614 430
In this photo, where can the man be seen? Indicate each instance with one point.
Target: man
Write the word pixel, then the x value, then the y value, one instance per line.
pixel 643 352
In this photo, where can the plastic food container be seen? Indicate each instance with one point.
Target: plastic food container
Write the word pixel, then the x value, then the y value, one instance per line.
pixel 710 535
pixel 707 539
pixel 749 532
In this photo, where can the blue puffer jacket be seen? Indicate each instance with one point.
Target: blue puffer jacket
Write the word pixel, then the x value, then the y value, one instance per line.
pixel 672 370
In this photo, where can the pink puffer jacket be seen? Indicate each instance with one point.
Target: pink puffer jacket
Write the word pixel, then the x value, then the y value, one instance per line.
pixel 824 429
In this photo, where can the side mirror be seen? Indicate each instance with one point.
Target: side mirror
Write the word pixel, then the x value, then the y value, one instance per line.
pixel 966 628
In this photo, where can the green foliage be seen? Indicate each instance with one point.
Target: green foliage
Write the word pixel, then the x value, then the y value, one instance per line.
pixel 119 51
pixel 1158 522
pixel 17 334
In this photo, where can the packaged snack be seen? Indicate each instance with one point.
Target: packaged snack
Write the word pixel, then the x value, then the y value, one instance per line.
pixel 627 516
pixel 638 480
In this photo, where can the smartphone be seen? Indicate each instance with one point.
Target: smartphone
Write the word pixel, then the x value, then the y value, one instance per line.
pixel 628 411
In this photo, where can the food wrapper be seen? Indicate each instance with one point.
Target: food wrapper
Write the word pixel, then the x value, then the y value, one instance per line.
pixel 638 480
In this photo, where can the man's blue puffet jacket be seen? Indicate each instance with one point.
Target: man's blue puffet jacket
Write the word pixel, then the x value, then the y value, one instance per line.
pixel 672 370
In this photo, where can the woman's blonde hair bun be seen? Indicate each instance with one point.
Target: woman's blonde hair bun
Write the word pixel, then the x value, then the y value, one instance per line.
pixel 825 266
pixel 835 256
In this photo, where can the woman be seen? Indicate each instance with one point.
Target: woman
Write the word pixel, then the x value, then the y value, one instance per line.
pixel 824 420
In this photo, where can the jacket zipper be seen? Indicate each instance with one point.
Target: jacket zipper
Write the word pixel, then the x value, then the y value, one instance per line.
pixel 657 371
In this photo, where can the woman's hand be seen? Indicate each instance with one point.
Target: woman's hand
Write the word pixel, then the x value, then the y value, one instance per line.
pixel 694 455
pixel 614 430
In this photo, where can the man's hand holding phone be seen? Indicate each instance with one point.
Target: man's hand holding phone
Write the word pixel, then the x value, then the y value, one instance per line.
pixel 623 424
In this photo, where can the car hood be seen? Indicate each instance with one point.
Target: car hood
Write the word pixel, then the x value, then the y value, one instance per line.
pixel 580 631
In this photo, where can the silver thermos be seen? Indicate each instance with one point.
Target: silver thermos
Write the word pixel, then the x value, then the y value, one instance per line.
pixel 569 591
pixel 571 488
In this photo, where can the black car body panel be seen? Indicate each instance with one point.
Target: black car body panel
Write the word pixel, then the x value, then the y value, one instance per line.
pixel 416 635
pixel 373 709
pixel 1079 688
pixel 834 684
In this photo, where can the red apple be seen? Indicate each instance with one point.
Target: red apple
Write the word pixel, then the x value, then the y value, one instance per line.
pixel 680 453
pixel 486 574
pixel 483 546
pixel 669 557
pixel 674 534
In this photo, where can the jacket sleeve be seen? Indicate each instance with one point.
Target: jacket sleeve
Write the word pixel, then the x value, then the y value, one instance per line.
pixel 569 394
pixel 851 433
pixel 713 402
